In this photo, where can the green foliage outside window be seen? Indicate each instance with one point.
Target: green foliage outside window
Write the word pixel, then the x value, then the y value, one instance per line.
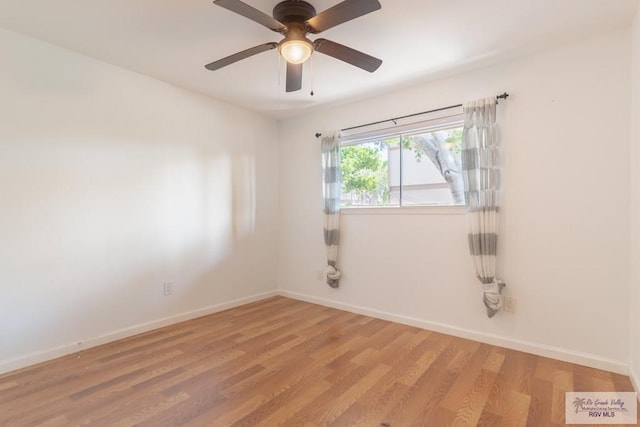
pixel 365 167
pixel 364 174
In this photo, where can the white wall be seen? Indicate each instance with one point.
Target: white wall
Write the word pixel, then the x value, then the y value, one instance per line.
pixel 112 183
pixel 565 239
pixel 635 205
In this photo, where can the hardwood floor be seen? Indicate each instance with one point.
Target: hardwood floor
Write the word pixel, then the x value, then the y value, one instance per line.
pixel 282 362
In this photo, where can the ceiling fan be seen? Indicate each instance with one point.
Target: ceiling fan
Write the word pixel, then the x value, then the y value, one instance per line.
pixel 294 19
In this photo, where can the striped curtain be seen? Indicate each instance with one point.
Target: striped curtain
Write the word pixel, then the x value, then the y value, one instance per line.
pixel 331 195
pixel 481 175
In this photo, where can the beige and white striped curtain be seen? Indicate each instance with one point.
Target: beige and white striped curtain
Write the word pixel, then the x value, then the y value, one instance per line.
pixel 331 187
pixel 481 175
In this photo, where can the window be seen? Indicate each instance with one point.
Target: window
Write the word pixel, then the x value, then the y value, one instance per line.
pixel 410 165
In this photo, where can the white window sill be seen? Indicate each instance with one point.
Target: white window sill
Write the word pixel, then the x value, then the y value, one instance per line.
pixel 405 210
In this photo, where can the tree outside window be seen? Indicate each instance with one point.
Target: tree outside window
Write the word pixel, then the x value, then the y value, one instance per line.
pixel 419 168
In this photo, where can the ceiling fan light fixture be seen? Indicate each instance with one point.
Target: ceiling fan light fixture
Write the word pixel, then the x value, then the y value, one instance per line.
pixel 293 20
pixel 296 51
pixel 295 48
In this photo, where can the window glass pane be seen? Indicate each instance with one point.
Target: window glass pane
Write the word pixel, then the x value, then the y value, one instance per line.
pixel 420 164
pixel 427 158
pixel 367 173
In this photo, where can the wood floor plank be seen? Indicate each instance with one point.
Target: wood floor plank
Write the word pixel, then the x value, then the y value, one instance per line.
pixel 338 397
pixel 472 404
pixel 59 421
pixel 278 414
pixel 282 362
pixel 516 408
pixel 374 406
pixel 562 383
pixel 472 372
pixel 134 412
pixel 422 400
pixel 540 405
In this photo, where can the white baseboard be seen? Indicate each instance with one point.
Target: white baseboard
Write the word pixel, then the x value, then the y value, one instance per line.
pixel 43 356
pixel 528 347
pixel 534 348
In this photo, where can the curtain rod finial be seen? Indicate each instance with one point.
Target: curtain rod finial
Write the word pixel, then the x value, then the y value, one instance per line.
pixel 318 134
pixel 505 95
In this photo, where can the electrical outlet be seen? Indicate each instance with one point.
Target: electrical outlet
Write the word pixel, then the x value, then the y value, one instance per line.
pixel 167 288
pixel 509 304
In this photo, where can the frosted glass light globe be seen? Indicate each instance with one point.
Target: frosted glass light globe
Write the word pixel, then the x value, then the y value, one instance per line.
pixel 296 51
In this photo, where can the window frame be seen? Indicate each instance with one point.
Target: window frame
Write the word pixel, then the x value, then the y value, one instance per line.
pixel 442 120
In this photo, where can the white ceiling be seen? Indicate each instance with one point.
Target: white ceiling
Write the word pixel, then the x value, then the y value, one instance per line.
pixel 418 40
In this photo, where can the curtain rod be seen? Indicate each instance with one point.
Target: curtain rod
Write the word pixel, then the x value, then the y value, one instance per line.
pixel 505 95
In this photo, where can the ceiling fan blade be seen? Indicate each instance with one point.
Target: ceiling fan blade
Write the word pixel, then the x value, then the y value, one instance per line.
pixel 252 13
pixel 215 65
pixel 348 55
pixel 340 13
pixel 294 77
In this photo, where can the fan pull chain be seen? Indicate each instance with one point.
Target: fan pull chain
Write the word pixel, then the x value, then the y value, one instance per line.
pixel 312 74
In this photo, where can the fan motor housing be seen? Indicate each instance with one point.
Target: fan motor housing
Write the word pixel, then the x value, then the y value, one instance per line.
pixel 293 11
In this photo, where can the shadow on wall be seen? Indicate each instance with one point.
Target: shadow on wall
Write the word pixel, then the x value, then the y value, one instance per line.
pixel 92 231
